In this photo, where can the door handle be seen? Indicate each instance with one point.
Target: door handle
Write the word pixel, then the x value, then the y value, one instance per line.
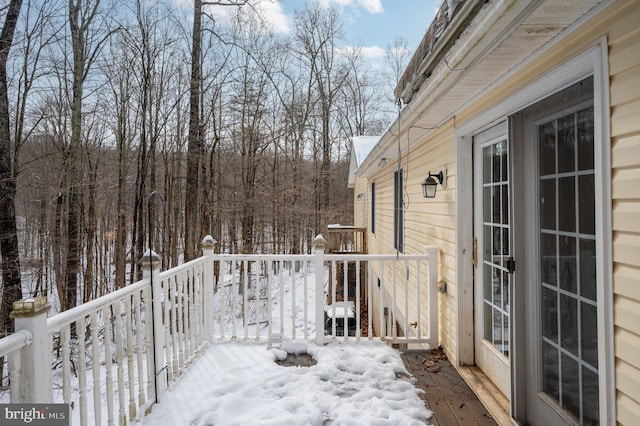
pixel 475 253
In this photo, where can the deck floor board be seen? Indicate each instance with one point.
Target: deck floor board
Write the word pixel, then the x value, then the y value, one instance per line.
pixel 446 393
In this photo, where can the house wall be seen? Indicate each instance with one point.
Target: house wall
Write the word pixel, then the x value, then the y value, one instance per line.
pixel 427 222
pixel 433 221
pixel 619 23
pixel 624 68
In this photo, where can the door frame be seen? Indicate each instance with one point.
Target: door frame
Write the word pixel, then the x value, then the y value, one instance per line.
pixel 593 61
pixel 496 365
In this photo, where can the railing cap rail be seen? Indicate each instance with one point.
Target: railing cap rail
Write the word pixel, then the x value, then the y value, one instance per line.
pixel 15 341
pixel 73 314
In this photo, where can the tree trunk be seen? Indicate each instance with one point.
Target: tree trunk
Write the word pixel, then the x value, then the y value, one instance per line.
pixel 73 223
pixel 12 287
pixel 194 146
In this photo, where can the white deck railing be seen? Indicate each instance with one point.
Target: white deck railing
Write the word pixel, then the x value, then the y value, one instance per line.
pixel 112 357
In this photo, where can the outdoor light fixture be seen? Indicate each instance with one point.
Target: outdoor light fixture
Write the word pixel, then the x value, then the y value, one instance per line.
pixel 360 196
pixel 430 183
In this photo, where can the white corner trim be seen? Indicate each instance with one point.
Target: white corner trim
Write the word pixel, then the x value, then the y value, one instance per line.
pixel 604 231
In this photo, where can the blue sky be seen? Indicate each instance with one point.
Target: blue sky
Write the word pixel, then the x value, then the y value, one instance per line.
pixel 372 24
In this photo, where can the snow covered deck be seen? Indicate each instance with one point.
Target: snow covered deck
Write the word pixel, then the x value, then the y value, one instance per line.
pixel 365 382
pixel 202 339
pixel 240 383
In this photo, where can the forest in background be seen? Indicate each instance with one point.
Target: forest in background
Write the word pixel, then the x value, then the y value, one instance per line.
pixel 238 131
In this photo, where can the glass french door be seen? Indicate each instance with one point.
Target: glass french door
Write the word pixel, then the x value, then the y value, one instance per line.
pixel 493 261
pixel 562 369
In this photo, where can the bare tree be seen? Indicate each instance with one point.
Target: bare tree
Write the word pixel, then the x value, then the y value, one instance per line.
pixel 86 44
pixel 121 85
pixel 397 57
pixel 195 149
pixel 11 283
pixel 318 31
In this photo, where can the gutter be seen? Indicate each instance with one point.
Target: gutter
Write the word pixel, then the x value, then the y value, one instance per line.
pixel 465 41
pixel 458 24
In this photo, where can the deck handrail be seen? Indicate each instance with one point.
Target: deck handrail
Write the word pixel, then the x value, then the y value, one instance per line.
pixel 114 356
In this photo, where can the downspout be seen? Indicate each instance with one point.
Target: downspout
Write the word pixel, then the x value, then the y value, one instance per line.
pixel 400 224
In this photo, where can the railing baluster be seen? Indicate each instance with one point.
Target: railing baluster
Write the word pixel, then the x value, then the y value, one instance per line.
pixel 281 287
pixel 175 343
pixel 345 298
pixel 334 285
pixel 406 299
pixel 95 368
pixel 245 298
pixel 82 371
pixel 234 296
pixel 66 363
pixel 193 313
pixel 168 315
pixel 370 299
pixel 187 310
pixel 305 267
pixel 394 273
pixel 139 348
pixel 130 358
pixel 358 301
pixel 13 363
pixel 293 299
pixel 108 363
pixel 418 299
pixel 221 297
pixel 199 307
pixel 269 298
pixel 180 289
pixel 381 287
pixel 432 294
pixel 257 299
pixel 148 334
pixel 122 417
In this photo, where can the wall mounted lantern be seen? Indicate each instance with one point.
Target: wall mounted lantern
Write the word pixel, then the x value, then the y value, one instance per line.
pixel 359 197
pixel 430 183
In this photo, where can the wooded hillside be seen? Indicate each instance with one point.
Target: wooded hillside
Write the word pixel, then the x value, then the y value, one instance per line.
pixel 239 131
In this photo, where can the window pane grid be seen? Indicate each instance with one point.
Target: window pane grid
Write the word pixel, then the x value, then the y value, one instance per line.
pixel 567 259
pixel 496 243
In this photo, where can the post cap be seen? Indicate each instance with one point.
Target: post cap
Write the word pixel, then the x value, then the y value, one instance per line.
pixel 29 307
pixel 148 258
pixel 208 242
pixel 319 242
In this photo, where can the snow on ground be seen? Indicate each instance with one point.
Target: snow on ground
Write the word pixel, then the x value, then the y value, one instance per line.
pixel 353 383
pixel 239 383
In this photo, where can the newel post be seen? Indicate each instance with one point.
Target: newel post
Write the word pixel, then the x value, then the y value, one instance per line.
pixel 319 245
pixel 150 265
pixel 208 245
pixel 434 315
pixel 35 359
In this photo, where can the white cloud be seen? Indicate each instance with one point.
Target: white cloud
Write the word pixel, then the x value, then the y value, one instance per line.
pixel 373 52
pixel 367 52
pixel 371 6
pixel 271 12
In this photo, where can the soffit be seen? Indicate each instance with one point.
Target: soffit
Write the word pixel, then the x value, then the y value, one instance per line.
pixel 502 36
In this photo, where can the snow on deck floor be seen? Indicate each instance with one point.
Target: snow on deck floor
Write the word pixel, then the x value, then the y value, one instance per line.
pixel 353 383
